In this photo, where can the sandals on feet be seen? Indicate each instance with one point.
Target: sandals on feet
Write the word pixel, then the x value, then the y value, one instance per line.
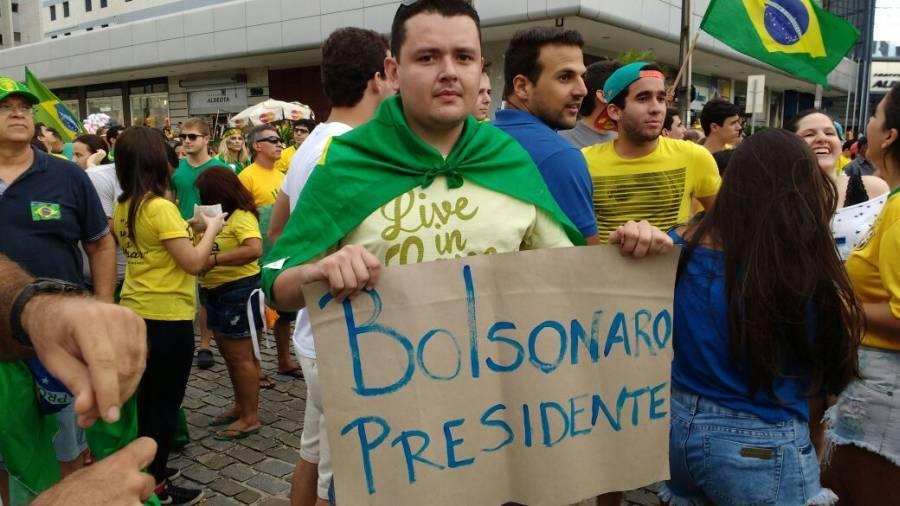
pixel 296 373
pixel 234 434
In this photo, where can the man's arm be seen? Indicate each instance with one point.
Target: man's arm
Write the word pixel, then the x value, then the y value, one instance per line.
pixel 102 257
pixel 97 350
pixel 347 271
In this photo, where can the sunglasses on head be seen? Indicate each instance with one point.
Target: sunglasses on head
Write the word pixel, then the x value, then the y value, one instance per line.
pixel 271 139
pixel 191 137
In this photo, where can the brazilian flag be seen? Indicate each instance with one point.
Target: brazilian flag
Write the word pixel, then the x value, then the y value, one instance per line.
pixel 51 111
pixel 796 36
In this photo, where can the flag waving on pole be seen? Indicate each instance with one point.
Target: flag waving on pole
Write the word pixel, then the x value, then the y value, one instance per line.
pixel 796 36
pixel 51 111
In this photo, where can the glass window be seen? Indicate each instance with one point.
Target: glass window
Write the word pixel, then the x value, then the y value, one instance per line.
pixel 52 13
pixel 17 36
pixel 111 106
pixel 14 7
pixel 150 109
pixel 65 9
pixel 102 4
pixel 87 6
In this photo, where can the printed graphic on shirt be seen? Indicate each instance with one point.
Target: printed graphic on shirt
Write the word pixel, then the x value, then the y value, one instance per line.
pixel 42 211
pixel 652 196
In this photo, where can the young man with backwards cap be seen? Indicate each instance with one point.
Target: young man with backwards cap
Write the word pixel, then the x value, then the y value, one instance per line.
pixel 642 175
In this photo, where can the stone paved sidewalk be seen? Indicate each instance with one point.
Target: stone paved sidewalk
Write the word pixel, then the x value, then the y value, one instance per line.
pixel 257 470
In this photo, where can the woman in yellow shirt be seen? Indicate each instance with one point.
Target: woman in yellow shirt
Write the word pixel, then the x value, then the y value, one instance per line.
pixel 864 425
pixel 229 278
pixel 159 286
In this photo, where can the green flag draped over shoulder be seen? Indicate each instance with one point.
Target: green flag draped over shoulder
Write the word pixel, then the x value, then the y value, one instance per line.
pixel 369 166
pixel 51 111
pixel 796 36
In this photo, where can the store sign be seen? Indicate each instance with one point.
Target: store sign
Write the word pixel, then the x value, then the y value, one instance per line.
pixel 217 100
pixel 885 75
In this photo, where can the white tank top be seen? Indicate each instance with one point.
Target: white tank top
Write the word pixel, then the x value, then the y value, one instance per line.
pixel 851 224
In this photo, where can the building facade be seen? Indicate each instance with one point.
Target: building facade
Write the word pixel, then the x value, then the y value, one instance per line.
pixel 159 62
pixel 20 23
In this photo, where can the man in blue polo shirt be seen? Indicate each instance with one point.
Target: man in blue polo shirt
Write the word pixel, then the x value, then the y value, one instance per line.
pixel 544 88
pixel 48 205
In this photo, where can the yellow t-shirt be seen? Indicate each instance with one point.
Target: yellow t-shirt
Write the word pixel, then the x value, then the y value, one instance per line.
pixel 284 163
pixel 435 223
pixel 239 227
pixel 155 287
pixel 263 183
pixel 842 162
pixel 874 268
pixel 657 187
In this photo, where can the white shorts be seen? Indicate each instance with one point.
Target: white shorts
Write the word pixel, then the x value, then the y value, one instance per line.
pixel 314 441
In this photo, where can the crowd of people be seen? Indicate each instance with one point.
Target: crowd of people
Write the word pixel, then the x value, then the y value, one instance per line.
pixel 786 305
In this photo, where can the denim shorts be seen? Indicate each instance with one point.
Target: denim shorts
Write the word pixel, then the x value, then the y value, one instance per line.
pixel 226 307
pixel 867 413
pixel 728 457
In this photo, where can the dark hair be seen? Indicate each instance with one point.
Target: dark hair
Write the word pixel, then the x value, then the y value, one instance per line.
pixel 717 111
pixel 594 78
pixel 486 68
pixel 113 132
pixel 310 124
pixel 525 48
pixel 218 185
pixel 772 221
pixel 671 112
pixel 350 58
pixel 892 120
pixel 39 130
pixel 793 124
pixel 862 141
pixel 620 99
pixel 847 145
pixel 446 8
pixel 142 168
pixel 254 135
pixel 722 158
pixel 94 143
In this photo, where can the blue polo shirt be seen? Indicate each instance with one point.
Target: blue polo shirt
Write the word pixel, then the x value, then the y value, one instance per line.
pixel 561 164
pixel 45 213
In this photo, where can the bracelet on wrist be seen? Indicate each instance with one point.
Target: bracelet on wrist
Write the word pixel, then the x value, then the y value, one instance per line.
pixel 39 286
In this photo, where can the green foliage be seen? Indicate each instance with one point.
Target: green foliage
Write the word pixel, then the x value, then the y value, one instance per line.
pixel 633 55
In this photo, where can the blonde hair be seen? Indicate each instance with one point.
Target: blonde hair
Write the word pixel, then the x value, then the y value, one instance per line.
pixel 199 124
pixel 226 155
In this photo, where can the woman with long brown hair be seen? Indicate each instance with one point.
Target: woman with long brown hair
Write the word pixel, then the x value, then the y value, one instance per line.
pixel 864 425
pixel 764 318
pixel 159 286
pixel 229 278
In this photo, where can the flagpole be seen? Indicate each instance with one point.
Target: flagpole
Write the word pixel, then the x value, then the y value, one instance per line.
pixel 685 51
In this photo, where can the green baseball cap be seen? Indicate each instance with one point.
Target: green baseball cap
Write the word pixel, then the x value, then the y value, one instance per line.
pixel 621 79
pixel 12 87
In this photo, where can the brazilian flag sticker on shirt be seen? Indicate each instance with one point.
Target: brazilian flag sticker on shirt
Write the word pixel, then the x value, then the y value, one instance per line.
pixel 42 211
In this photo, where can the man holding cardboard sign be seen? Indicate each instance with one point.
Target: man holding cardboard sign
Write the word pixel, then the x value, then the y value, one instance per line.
pixel 423 180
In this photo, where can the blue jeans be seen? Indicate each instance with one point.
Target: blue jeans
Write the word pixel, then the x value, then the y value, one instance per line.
pixel 727 457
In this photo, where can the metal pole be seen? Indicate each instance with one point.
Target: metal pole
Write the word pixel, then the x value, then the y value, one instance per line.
pixel 753 108
pixel 863 92
pixel 684 54
pixel 849 91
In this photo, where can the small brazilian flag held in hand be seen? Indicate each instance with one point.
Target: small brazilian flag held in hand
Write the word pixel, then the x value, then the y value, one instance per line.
pixel 796 36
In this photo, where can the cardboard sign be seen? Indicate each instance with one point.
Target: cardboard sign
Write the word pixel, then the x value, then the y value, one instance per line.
pixel 539 377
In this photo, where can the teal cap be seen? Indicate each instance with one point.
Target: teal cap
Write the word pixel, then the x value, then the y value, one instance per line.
pixel 621 79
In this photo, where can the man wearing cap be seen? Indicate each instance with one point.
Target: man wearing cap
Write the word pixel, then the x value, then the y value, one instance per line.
pixel 594 127
pixel 543 92
pixel 642 175
pixel 48 205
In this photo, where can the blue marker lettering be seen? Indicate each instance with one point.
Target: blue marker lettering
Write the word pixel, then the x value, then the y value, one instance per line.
pixel 494 337
pixel 546 367
pixel 453 443
pixel 485 420
pixel 545 423
pixel 618 333
pixel 665 317
pixel 640 334
pixel 526 424
pixel 597 405
pixel 403 439
pixel 573 413
pixel 576 331
pixel 635 406
pixel 421 355
pixel 360 425
pixel 473 321
pixel 654 402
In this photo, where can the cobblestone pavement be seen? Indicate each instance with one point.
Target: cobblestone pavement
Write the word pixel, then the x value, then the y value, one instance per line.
pixel 257 470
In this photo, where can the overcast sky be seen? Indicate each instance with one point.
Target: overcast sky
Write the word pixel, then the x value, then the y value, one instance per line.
pixel 887 18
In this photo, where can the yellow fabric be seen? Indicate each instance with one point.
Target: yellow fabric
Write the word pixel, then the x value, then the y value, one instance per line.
pixel 842 162
pixel 240 226
pixel 263 183
pixel 155 287
pixel 437 223
pixel 59 155
pixel 284 163
pixel 874 269
pixel 657 187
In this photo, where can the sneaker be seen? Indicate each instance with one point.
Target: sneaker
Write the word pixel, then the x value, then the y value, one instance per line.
pixel 204 358
pixel 171 473
pixel 170 494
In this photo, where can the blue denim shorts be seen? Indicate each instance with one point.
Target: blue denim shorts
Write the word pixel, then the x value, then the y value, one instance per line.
pixel 727 457
pixel 226 307
pixel 867 413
